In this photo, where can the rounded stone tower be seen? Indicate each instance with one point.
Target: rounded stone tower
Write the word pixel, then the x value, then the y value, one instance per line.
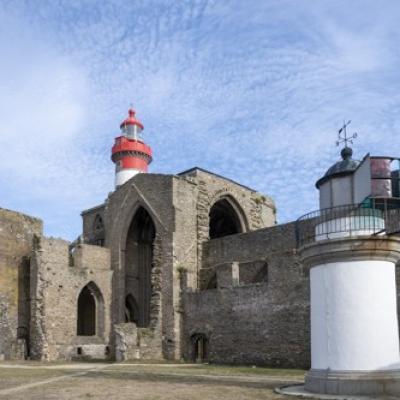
pixel 352 258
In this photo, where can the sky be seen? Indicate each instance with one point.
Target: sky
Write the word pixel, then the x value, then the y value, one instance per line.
pixel 252 90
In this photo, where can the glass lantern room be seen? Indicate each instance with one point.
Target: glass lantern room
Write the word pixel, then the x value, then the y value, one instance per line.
pixel 131 127
pixel 132 131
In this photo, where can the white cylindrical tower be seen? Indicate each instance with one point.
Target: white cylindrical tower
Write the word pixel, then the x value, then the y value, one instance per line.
pixel 350 300
pixel 354 323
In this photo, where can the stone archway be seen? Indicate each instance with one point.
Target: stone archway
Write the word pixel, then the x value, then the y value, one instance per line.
pixel 224 219
pixel 199 343
pixel 139 263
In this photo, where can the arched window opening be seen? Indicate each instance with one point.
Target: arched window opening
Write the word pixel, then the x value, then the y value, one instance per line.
pixel 139 263
pixel 224 220
pixel 131 309
pixel 86 313
pixel 98 230
pixel 98 223
pixel 199 348
pixel 90 311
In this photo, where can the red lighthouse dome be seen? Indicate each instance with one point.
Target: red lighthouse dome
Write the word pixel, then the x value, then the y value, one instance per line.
pixel 129 153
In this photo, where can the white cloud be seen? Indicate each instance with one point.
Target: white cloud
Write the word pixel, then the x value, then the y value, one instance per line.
pixel 43 106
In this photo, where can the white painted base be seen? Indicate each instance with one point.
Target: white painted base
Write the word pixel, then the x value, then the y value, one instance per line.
pixel 124 175
pixel 354 383
pixel 354 316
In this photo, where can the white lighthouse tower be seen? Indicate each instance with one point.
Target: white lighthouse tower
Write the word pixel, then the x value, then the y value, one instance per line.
pixel 351 254
pixel 129 153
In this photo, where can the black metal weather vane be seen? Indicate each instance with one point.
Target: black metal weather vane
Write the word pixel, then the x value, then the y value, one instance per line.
pixel 342 135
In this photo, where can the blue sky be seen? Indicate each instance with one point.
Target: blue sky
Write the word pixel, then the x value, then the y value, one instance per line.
pixel 253 90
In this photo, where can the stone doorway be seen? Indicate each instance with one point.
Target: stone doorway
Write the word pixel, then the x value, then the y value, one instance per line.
pixel 90 318
pixel 199 348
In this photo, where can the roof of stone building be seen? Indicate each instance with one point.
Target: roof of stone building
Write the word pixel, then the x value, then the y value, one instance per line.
pixel 344 167
pixel 195 169
pixel 92 209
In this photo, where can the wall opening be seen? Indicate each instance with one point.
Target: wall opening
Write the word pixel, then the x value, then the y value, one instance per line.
pixel 90 311
pixel 24 304
pixel 199 348
pixel 262 274
pixel 131 309
pixel 212 283
pixel 139 263
pixel 98 231
pixel 224 220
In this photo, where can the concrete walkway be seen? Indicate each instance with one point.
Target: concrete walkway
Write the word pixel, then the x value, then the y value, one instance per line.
pixel 299 392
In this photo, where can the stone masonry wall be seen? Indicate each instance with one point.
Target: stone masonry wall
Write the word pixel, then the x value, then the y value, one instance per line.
pixel 58 277
pixel 195 192
pixel 154 193
pixel 179 207
pixel 90 234
pixel 255 210
pixel 16 237
pixel 185 249
pixel 264 323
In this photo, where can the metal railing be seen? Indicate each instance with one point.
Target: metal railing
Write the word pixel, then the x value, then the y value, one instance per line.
pixel 371 217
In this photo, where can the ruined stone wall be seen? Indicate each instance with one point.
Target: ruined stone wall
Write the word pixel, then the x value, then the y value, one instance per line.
pixel 57 278
pixel 195 192
pixel 91 234
pixel 260 323
pixel 185 249
pixel 179 207
pixel 16 238
pixel 255 209
pixel 154 193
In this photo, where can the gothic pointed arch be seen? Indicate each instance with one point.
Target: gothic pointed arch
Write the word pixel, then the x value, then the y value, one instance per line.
pixel 90 311
pixel 98 230
pixel 138 265
pixel 199 347
pixel 226 218
pixel 98 224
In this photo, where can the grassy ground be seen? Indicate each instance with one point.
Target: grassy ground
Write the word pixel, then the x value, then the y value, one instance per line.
pixel 141 381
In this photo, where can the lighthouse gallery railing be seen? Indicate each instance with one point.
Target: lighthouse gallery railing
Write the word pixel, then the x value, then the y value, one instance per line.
pixel 374 216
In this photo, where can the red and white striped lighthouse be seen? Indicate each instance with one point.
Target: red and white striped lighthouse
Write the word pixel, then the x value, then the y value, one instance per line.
pixel 129 153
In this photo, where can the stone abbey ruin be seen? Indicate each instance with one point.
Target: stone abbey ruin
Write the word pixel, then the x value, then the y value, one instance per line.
pixel 189 266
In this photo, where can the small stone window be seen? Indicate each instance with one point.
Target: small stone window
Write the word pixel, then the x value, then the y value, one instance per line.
pixel 98 225
pixel 262 274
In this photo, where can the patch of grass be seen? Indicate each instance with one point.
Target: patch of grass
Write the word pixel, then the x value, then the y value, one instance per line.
pixel 212 369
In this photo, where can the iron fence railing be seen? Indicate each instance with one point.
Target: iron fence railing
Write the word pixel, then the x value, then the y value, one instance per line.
pixel 372 217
